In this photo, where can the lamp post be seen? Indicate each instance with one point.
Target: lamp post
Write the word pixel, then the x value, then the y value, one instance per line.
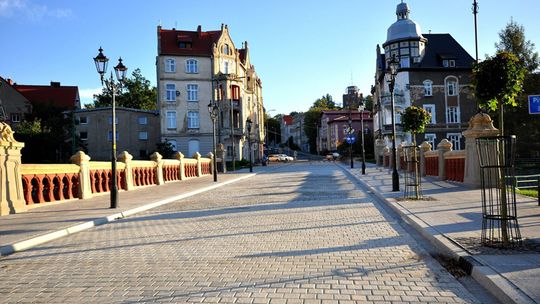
pixel 213 110
pixel 361 110
pixel 248 126
pixel 114 87
pixel 392 73
pixel 349 136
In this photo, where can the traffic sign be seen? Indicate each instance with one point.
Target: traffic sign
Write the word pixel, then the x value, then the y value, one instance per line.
pixel 534 104
pixel 350 139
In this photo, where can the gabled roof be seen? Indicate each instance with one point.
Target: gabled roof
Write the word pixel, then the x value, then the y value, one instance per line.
pixel 66 97
pixel 444 46
pixel 201 42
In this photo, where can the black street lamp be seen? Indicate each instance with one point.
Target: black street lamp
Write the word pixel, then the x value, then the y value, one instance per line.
pixel 213 110
pixel 361 110
pixel 350 132
pixel 392 73
pixel 114 87
pixel 248 126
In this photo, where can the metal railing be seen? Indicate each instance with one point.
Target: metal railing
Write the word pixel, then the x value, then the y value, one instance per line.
pixel 528 182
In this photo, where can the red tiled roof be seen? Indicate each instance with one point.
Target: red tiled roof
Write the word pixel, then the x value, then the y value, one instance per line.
pixel 201 42
pixel 288 120
pixel 65 97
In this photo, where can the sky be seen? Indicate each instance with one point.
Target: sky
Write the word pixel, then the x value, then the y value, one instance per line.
pixel 301 50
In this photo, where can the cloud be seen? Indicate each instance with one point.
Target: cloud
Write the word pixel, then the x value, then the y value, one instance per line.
pixel 87 95
pixel 35 12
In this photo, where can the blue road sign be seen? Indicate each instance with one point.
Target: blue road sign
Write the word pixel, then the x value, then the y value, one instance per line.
pixel 351 139
pixel 534 104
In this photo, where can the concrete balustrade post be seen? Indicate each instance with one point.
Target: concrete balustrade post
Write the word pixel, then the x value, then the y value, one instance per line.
pixel 197 156
pixel 126 158
pixel 220 151
pixel 480 125
pixel 158 159
pixel 11 188
pixel 379 151
pixel 443 147
pixel 211 156
pixel 424 147
pixel 399 155
pixel 386 152
pixel 180 157
pixel 85 186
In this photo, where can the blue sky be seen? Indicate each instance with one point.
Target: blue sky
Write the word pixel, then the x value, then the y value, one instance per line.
pixel 300 49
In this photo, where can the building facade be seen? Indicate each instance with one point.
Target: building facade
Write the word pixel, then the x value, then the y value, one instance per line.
pixel 137 131
pixel 15 106
pixel 195 68
pixel 435 73
pixel 352 99
pixel 334 126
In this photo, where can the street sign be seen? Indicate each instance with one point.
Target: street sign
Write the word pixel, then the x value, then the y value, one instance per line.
pixel 351 139
pixel 534 104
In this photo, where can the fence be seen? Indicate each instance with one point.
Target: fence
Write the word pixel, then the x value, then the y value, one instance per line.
pixel 528 182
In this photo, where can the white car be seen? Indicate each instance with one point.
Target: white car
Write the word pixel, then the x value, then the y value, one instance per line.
pixel 284 158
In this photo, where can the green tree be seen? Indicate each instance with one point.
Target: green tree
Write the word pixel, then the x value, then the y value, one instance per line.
pixel 512 40
pixel 497 81
pixel 273 128
pixel 414 120
pixel 313 116
pixel 165 149
pixel 138 93
pixel 368 102
pixel 326 102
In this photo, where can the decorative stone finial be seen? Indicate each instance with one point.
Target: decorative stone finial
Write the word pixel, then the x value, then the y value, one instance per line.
pixel 79 157
pixel 178 155
pixel 210 155
pixel 7 133
pixel 125 156
pixel 444 144
pixel 425 146
pixel 197 155
pixel 156 157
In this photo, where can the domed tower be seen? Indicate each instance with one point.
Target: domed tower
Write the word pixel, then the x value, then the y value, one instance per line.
pixel 404 39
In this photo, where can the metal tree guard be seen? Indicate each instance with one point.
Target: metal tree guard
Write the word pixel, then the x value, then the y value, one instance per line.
pixel 413 180
pixel 499 215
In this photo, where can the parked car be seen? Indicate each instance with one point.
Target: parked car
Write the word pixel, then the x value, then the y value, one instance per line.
pixel 285 158
pixel 273 157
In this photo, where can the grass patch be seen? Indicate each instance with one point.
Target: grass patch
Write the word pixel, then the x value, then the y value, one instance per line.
pixel 528 192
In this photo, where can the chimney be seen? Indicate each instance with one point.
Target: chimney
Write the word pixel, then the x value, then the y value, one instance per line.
pixel 10 81
pixel 55 84
pixel 199 30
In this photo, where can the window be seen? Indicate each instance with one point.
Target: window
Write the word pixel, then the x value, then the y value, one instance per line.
pixel 170 91
pixel 445 63
pixel 455 139
pixel 193 120
pixel 143 120
pixel 192 92
pixel 428 88
pixel 235 90
pixel 83 135
pixel 451 88
pixel 170 66
pixel 226 49
pixel 171 119
pixel 452 63
pixel 192 66
pixel 109 136
pixel 83 120
pixel 143 135
pixel 452 115
pixel 229 151
pixel 225 67
pixel 15 117
pixel 394 46
pixel 404 51
pixel 184 45
pixel 115 120
pixel 414 52
pixel 430 138
pixel 430 108
pixel 405 62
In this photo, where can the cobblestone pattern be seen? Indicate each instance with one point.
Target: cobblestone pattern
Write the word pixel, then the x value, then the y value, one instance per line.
pixel 297 235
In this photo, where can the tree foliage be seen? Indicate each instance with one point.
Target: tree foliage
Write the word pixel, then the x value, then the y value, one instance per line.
pixel 138 93
pixel 415 119
pixel 273 128
pixel 512 40
pixel 498 80
pixel 165 149
pixel 313 116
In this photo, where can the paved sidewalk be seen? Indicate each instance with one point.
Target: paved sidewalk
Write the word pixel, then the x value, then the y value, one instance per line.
pixel 451 219
pixel 51 221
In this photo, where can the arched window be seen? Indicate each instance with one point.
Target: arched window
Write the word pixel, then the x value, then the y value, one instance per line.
pixel 192 66
pixel 428 88
pixel 170 66
pixel 451 86
pixel 226 49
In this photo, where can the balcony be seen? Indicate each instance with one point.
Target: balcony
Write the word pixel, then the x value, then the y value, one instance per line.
pixel 387 129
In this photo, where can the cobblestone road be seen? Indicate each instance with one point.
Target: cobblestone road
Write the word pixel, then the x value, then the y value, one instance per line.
pixel 299 234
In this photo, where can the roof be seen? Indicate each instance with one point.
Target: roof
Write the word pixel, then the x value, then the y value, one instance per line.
pixel 101 109
pixel 404 28
pixel 201 42
pixel 444 46
pixel 66 97
pixel 355 116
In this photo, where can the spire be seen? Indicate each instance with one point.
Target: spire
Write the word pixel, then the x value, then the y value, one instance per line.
pixel 402 11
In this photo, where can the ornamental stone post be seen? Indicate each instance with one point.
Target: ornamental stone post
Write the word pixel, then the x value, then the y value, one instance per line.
pixel 424 147
pixel 11 189
pixel 126 158
pixel 211 156
pixel 83 161
pixel 480 125
pixel 443 147
pixel 180 157
pixel 197 156
pixel 158 159
pixel 379 151
pixel 220 151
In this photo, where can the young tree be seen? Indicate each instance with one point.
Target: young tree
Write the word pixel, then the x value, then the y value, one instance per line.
pixel 512 40
pixel 138 94
pixel 414 120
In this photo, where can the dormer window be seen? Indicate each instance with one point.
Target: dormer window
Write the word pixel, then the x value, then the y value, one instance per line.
pixel 184 45
pixel 449 63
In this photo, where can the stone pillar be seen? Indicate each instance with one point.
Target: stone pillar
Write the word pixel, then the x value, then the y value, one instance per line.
pixel 211 156
pixel 179 156
pixel 83 161
pixel 480 125
pixel 11 189
pixel 158 159
pixel 443 147
pixel 399 152
pixel 379 151
pixel 385 152
pixel 424 147
pixel 126 158
pixel 197 156
pixel 220 151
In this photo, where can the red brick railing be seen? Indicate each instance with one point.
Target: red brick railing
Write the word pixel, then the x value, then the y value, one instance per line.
pixel 454 163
